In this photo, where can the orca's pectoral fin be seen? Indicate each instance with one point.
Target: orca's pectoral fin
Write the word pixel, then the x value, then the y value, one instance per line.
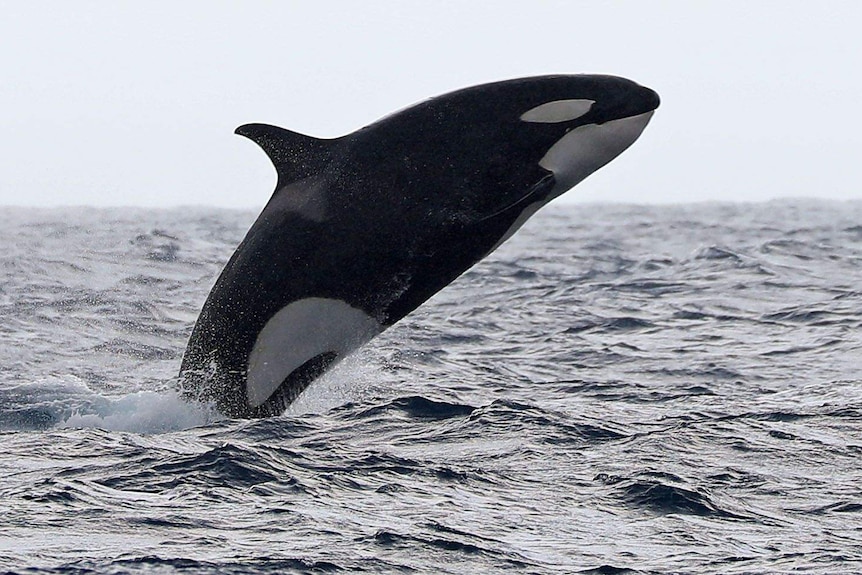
pixel 295 156
pixel 539 192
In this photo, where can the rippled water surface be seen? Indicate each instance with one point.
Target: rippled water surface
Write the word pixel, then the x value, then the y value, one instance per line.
pixel 618 389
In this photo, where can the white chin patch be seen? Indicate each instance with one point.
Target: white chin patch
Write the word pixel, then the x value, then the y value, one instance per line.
pixel 299 332
pixel 558 111
pixel 587 148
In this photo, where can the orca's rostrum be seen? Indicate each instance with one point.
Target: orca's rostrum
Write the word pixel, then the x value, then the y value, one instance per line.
pixel 363 228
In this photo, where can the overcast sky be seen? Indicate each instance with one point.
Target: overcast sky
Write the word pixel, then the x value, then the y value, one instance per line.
pixel 134 103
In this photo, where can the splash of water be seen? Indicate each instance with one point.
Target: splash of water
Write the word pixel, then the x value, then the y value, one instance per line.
pixel 144 412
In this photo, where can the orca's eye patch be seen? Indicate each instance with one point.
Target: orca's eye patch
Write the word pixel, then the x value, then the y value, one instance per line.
pixel 557 111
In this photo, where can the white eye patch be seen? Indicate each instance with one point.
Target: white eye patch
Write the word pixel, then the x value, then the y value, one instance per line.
pixel 557 111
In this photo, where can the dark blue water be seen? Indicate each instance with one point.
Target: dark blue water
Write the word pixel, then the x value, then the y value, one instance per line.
pixel 618 389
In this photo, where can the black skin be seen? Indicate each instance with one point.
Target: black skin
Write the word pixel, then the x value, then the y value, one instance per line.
pixel 409 203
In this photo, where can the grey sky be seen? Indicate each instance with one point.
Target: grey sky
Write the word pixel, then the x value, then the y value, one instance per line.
pixel 134 103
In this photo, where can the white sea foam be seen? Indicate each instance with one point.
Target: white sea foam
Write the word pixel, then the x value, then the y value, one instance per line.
pixel 144 412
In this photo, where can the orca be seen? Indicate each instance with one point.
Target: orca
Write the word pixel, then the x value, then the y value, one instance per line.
pixel 364 228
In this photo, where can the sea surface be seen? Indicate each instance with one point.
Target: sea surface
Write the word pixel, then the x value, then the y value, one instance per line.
pixel 617 389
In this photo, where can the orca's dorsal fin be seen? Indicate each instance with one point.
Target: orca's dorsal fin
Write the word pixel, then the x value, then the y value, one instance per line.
pixel 295 156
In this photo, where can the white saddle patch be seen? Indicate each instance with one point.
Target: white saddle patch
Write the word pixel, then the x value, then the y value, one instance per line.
pixel 303 197
pixel 299 332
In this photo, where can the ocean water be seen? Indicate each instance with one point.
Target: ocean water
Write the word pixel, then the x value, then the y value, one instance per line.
pixel 617 389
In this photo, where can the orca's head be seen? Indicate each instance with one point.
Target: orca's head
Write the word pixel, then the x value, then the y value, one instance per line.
pixel 588 121
pixel 506 140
